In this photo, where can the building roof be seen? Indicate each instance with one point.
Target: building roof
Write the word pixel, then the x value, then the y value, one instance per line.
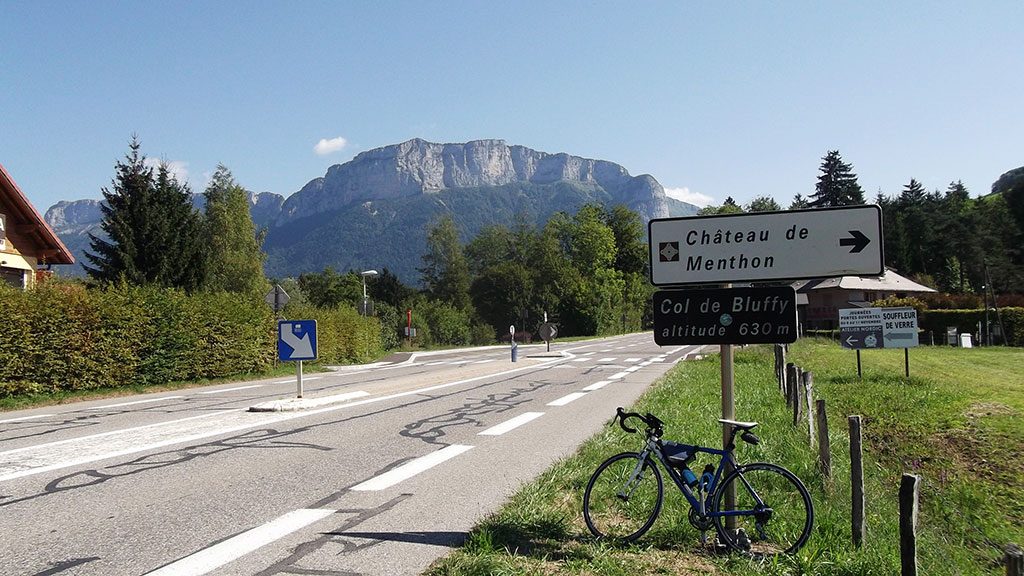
pixel 889 281
pixel 25 219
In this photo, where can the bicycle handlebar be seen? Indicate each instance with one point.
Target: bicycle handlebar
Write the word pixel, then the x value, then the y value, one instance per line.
pixel 653 424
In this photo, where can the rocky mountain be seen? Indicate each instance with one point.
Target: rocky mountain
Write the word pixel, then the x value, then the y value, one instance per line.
pixel 373 211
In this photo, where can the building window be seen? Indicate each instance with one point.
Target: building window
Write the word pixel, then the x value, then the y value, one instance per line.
pixel 13 276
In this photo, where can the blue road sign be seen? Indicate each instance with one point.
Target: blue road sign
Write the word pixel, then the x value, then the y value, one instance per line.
pixel 296 340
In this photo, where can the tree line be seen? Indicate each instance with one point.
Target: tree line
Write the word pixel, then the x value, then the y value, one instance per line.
pixel 943 239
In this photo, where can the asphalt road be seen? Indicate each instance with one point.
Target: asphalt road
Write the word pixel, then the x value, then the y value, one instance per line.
pixel 384 478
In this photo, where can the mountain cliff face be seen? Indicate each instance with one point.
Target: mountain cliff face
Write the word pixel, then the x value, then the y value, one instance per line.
pixel 418 167
pixel 373 211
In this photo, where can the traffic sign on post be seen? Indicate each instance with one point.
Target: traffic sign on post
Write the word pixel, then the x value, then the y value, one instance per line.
pixel 764 246
pixel 277 298
pixel 296 340
pixel 765 315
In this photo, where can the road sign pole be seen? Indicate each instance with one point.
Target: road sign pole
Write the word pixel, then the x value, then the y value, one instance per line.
pixel 728 413
pixel 298 368
pixel 906 361
pixel 859 375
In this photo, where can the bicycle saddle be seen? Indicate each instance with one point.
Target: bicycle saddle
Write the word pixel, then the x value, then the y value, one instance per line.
pixel 737 424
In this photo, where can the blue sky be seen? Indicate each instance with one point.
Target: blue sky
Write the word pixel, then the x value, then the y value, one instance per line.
pixel 713 99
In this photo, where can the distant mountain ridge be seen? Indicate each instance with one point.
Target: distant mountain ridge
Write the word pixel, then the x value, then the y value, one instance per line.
pixel 373 211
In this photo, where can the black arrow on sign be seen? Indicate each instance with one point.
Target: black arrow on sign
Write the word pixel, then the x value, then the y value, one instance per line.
pixel 858 241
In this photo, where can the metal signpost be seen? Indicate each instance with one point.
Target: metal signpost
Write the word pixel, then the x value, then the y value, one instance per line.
pixel 277 298
pixel 765 315
pixel 296 341
pixel 763 246
pixel 754 247
pixel 861 328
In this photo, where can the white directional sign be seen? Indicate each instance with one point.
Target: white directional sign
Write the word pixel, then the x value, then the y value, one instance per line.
pixel 878 328
pixel 763 246
pixel 899 327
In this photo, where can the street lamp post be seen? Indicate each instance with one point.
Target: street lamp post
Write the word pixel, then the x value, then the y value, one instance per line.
pixel 365 274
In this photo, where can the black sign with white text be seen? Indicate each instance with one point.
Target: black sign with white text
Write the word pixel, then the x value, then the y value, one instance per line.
pixel 725 316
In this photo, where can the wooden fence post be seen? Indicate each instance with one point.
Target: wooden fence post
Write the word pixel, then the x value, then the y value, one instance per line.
pixel 1014 560
pixel 856 482
pixel 808 378
pixel 791 375
pixel 824 450
pixel 798 400
pixel 909 491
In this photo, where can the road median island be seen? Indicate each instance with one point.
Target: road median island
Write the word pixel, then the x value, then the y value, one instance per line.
pixel 540 530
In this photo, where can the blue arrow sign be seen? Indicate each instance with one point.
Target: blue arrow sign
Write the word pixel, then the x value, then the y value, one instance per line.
pixel 296 340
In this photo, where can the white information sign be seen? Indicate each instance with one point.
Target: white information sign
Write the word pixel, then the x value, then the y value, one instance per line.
pixel 878 328
pixel 763 246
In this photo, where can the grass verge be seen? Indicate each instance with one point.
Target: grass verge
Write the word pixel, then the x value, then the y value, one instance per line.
pixel 966 518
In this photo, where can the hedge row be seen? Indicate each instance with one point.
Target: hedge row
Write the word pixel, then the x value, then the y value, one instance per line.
pixel 65 337
pixel 937 321
pixel 343 336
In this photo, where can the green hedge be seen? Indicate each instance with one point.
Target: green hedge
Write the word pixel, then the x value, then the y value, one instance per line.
pixel 936 321
pixel 343 336
pixel 65 337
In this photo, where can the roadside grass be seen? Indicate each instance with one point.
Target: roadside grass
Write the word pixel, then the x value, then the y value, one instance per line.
pixel 965 519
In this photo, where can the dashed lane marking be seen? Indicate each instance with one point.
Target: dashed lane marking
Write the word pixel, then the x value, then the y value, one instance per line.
pixel 209 559
pixel 511 424
pixel 618 375
pixel 411 469
pixel 24 418
pixel 597 385
pixel 567 398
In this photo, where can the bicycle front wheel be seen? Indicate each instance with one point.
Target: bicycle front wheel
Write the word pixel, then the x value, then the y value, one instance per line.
pixel 773 511
pixel 623 497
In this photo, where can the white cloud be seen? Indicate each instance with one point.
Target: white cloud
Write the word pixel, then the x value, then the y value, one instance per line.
pixel 686 195
pixel 177 168
pixel 325 146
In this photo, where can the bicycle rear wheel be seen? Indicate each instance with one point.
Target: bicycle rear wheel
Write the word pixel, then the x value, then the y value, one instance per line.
pixel 774 511
pixel 619 505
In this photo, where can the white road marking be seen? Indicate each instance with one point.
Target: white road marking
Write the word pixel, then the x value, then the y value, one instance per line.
pixel 567 398
pixel 485 361
pixel 618 375
pixel 511 424
pixel 632 369
pixel 72 452
pixel 631 360
pixel 434 363
pixel 406 471
pixel 147 401
pixel 612 359
pixel 589 354
pixel 232 389
pixel 304 379
pixel 647 363
pixel 209 559
pixel 581 359
pixel 597 385
pixel 24 418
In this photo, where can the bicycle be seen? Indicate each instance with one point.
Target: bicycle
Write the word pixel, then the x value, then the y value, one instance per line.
pixel 771 512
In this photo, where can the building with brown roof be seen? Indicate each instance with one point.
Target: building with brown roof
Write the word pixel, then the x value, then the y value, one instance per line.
pixel 819 300
pixel 26 241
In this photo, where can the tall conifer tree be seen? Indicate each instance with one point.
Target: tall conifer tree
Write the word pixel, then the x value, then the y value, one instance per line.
pixel 837 184
pixel 153 232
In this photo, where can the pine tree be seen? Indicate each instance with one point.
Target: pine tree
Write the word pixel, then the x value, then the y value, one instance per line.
pixel 799 202
pixel 235 263
pixel 837 184
pixel 153 232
